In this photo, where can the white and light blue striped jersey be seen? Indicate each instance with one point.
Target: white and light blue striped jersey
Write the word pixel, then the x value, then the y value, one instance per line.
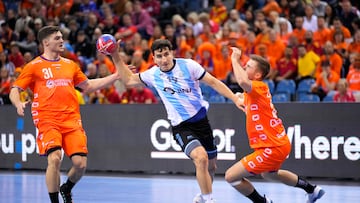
pixel 178 88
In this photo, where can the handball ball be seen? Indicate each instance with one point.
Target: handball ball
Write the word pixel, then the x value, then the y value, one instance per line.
pixel 106 44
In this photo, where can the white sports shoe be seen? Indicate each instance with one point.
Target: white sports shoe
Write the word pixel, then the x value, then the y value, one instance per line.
pixel 267 200
pixel 198 199
pixel 317 194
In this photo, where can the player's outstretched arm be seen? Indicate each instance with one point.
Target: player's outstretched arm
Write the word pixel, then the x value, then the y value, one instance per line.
pixel 240 74
pixel 15 100
pixel 222 89
pixel 126 75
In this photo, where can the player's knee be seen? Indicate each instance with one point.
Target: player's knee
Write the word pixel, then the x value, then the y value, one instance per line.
pixel 79 162
pixel 232 179
pixel 201 160
pixel 229 176
pixel 54 159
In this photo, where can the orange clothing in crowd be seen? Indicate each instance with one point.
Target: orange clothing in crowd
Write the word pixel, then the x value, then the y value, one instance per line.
pixel 353 79
pixel 218 14
pixel 332 78
pixel 354 47
pixel 26 4
pixel 61 9
pixel 299 34
pixel 239 4
pixel 107 61
pixel 276 49
pixel 262 38
pixel 207 46
pixel 335 64
pixel 321 36
pixel 143 66
pixel 222 68
pixel 341 46
pixel 2 7
pixel 272 5
pixel 345 31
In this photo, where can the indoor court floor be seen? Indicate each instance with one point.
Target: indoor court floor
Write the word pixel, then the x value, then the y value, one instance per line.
pixel 29 187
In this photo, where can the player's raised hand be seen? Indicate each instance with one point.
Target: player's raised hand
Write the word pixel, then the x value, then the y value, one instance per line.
pixel 236 53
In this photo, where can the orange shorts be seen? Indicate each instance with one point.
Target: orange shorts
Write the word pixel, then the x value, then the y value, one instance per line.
pixel 72 139
pixel 266 159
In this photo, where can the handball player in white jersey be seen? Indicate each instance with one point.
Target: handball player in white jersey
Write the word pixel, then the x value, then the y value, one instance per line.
pixel 177 82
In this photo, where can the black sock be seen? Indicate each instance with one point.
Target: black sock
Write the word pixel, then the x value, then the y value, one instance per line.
pixel 256 197
pixel 69 185
pixel 302 183
pixel 54 197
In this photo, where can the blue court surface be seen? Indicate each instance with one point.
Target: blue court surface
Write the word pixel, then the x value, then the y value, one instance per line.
pixel 29 187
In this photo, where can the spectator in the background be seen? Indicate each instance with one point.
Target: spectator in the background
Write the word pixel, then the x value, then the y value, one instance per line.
pixel 284 31
pixel 193 20
pixel 22 24
pixel 353 77
pixel 11 18
pixel 138 95
pixel 205 19
pixel 127 29
pixel 319 7
pixel 206 56
pixel 15 56
pixel 271 5
pixel 7 35
pixel 338 26
pixel 322 34
pixel 299 30
pixel 223 65
pixel 326 81
pixel 347 14
pixel 218 12
pixel 91 25
pixel 73 27
pixel 234 21
pixel 108 26
pixel 310 19
pixel 296 8
pixel 29 43
pixel 157 34
pixel 179 24
pixel 343 94
pixel 5 84
pixel 153 7
pixel 330 14
pixel 307 62
pixel 5 63
pixel 84 49
pixel 104 59
pixel 354 46
pixel 311 44
pixel 336 62
pixel 275 46
pixel 286 67
pixel 138 62
pixel 340 46
pixel 169 33
pixel 91 71
pixel 142 20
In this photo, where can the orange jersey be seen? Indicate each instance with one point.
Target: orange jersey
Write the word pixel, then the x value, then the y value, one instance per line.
pixel 52 83
pixel 263 127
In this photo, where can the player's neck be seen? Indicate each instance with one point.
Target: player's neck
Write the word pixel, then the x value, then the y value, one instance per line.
pixel 51 55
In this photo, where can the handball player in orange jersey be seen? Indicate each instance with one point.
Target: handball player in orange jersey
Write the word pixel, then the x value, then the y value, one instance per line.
pixel 266 134
pixel 55 109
